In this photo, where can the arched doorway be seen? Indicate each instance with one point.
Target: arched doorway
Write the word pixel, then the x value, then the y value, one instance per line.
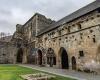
pixel 51 57
pixel 64 59
pixel 39 57
pixel 73 63
pixel 20 55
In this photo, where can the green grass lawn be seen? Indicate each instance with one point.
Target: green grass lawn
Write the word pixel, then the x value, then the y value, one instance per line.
pixel 12 72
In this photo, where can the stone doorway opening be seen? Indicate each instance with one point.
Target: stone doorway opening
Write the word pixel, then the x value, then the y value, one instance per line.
pixel 73 63
pixel 64 58
pixel 39 57
pixel 20 55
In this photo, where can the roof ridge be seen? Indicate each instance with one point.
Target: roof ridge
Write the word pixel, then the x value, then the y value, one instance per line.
pixel 82 11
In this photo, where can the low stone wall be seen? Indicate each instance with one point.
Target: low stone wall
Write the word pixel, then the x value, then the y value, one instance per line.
pixel 37 76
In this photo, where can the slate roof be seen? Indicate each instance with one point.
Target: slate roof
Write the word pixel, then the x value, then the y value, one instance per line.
pixel 85 10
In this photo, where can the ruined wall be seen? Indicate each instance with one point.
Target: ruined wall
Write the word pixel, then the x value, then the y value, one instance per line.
pixel 43 23
pixel 30 29
pixel 7 53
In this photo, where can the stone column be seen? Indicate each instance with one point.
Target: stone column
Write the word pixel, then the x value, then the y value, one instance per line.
pixel 25 51
pixel 15 56
pixel 58 62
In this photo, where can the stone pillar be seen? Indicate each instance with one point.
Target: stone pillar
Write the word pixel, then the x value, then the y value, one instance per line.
pixel 58 63
pixel 58 59
pixel 15 56
pixel 25 51
pixel 45 58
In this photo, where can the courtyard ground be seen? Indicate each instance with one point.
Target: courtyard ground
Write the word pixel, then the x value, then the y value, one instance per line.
pixel 13 72
pixel 66 73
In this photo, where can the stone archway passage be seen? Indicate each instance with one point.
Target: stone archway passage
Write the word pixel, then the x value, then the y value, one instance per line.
pixel 64 59
pixel 73 63
pixel 19 55
pixel 39 57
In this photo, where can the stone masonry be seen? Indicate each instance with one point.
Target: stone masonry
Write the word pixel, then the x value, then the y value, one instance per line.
pixel 70 43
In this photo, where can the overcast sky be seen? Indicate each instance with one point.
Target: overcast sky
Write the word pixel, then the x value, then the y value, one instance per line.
pixel 14 12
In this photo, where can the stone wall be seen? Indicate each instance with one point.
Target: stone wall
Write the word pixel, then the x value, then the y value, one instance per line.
pixel 71 45
pixel 79 37
pixel 7 53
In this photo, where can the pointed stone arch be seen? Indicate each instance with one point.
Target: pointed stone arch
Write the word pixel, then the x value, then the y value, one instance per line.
pixel 73 59
pixel 19 55
pixel 64 58
pixel 39 57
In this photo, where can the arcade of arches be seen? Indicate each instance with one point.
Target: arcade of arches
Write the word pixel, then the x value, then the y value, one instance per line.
pixel 51 58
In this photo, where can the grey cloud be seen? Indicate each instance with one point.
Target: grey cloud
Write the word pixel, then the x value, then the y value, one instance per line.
pixel 5 12
pixel 19 11
pixel 6 27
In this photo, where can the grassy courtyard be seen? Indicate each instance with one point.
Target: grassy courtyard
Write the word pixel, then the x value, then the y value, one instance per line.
pixel 12 72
